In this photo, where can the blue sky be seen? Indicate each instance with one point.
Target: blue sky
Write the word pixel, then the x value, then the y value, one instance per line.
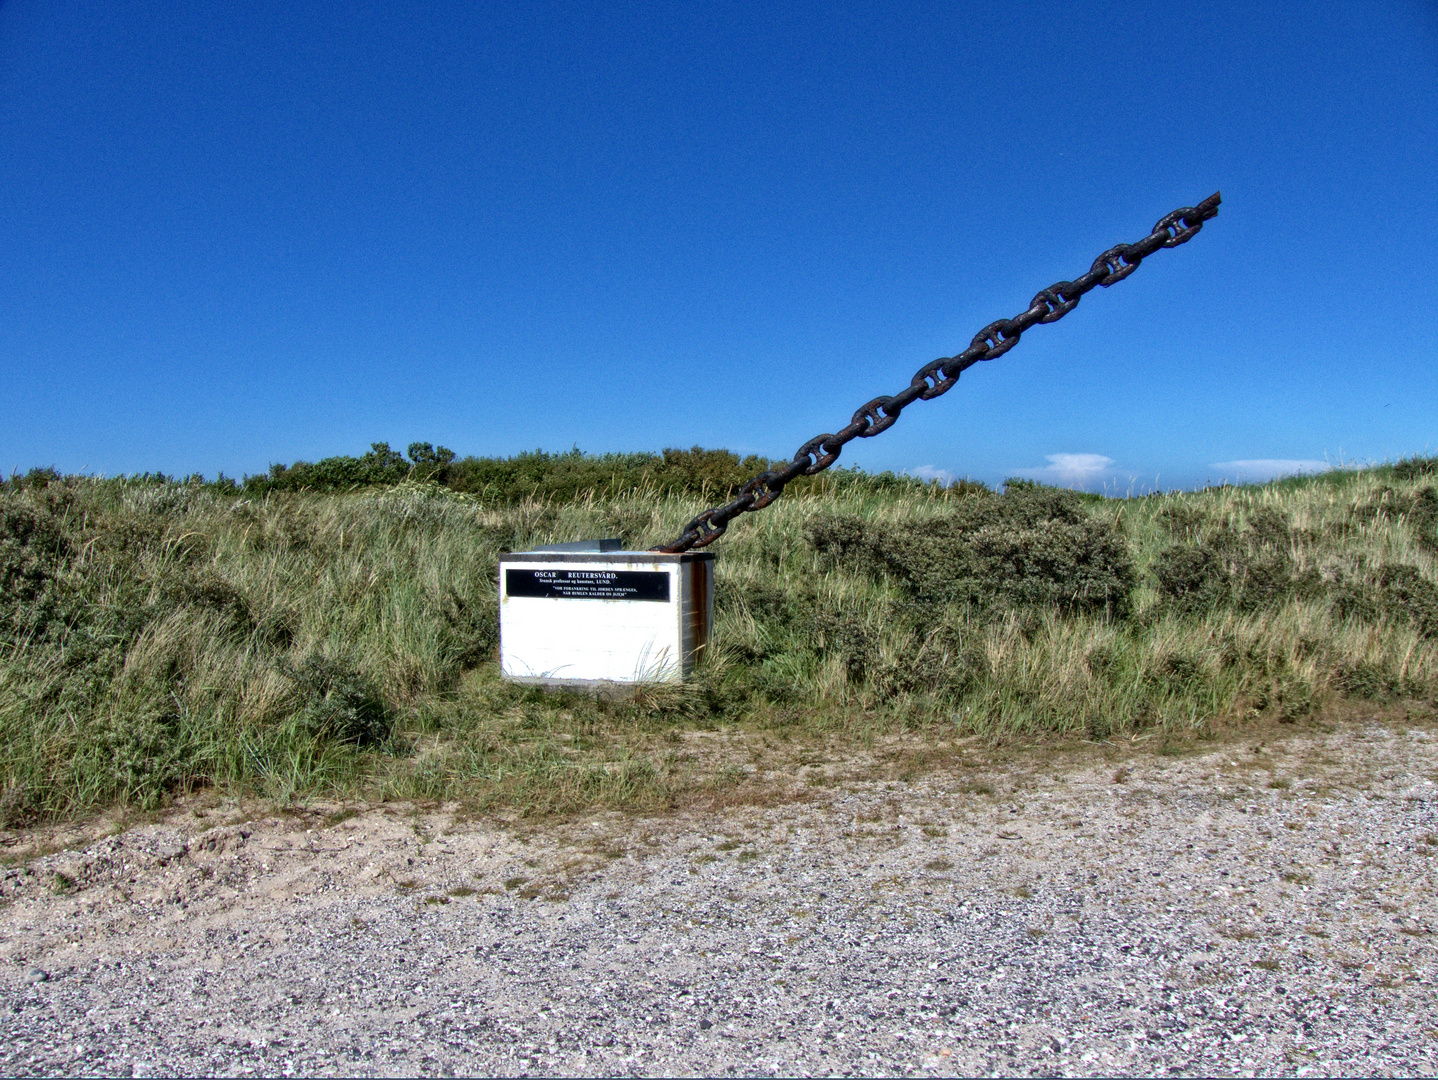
pixel 238 234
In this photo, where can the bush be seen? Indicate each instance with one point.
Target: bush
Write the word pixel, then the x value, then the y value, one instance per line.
pixel 35 479
pixel 1423 518
pixel 1365 680
pixel 1415 468
pixel 1405 595
pixel 380 465
pixel 339 703
pixel 1246 569
pixel 1397 593
pixel 1029 547
pixel 847 636
pixel 32 548
pixel 538 475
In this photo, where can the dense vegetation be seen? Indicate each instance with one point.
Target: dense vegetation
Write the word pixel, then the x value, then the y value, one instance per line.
pixel 539 475
pixel 331 628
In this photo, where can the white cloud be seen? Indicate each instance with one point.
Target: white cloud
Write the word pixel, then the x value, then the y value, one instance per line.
pixel 929 472
pixel 1071 470
pixel 1260 470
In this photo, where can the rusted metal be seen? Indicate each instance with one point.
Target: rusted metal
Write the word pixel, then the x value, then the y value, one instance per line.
pixel 700 611
pixel 938 376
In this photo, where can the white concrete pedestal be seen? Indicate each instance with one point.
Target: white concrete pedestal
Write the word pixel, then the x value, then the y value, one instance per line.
pixel 595 619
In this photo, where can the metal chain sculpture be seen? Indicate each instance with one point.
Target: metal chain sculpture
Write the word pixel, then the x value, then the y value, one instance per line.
pixel 939 376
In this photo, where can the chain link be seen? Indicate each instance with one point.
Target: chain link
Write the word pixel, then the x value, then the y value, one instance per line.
pixel 939 376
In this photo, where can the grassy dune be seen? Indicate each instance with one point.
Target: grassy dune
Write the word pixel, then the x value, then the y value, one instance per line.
pixel 157 638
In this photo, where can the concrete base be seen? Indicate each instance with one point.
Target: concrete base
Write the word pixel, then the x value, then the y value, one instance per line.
pixel 604 689
pixel 597 621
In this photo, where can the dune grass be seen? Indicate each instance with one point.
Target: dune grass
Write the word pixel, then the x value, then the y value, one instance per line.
pixel 157 638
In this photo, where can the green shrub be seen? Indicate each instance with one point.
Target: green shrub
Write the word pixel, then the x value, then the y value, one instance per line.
pixel 33 547
pixel 339 703
pixel 380 465
pixel 538 475
pixel 1365 680
pixel 847 636
pixel 1400 594
pixel 1415 468
pixel 34 479
pixel 1423 518
pixel 1028 547
pixel 1407 596
pixel 1246 569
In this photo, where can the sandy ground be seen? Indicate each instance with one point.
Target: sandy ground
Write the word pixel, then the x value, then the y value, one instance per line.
pixel 1263 905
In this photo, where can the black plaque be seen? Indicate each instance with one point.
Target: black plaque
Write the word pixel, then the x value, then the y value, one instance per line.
pixel 588 584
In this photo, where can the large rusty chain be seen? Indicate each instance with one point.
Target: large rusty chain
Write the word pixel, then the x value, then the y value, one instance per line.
pixel 939 376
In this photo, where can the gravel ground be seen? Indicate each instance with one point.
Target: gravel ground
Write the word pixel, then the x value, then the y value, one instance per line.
pixel 1257 907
